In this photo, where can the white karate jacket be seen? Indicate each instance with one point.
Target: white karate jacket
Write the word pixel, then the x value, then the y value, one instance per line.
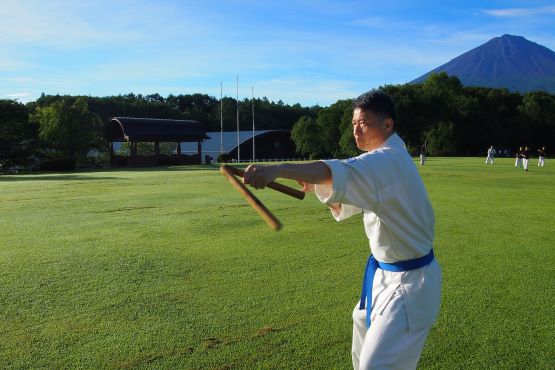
pixel 385 185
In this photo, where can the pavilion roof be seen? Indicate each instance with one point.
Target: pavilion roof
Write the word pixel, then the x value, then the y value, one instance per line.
pixel 152 129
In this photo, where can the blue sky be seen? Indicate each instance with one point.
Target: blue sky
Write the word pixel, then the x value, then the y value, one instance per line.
pixel 310 52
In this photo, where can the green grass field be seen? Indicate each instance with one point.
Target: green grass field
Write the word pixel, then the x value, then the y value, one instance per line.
pixel 170 268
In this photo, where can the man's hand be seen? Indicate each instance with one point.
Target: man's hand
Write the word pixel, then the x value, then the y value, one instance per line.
pixel 306 187
pixel 259 176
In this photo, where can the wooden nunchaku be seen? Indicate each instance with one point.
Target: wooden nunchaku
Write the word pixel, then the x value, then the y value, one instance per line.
pixel 229 172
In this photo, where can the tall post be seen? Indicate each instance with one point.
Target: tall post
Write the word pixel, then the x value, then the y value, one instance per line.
pixel 112 154
pixel 253 152
pixel 157 150
pixel 133 153
pixel 199 149
pixel 238 142
pixel 221 122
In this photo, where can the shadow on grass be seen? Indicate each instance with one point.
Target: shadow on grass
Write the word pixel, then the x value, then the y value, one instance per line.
pixel 182 168
pixel 42 177
pixel 83 175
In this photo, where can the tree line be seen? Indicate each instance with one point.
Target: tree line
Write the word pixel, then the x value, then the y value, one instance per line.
pixel 59 131
pixel 443 115
pixel 449 118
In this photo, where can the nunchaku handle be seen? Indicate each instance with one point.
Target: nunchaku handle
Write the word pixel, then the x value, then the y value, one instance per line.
pixel 273 185
pixel 264 212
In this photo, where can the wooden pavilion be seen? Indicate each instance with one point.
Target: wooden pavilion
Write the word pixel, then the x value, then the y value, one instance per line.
pixel 137 130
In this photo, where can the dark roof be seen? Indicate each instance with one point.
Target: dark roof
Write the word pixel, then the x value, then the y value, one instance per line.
pixel 151 129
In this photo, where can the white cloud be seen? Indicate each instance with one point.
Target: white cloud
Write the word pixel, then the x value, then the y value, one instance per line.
pixel 514 12
pixel 23 97
pixel 519 12
pixel 18 95
pixel 45 23
pixel 80 25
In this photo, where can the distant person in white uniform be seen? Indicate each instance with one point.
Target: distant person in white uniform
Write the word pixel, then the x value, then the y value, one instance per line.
pixel 541 156
pixel 401 290
pixel 491 154
pixel 423 154
pixel 519 157
pixel 525 157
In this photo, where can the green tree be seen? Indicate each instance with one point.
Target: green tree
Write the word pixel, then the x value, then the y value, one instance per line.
pixel 304 135
pixel 329 122
pixel 18 137
pixel 538 121
pixel 440 140
pixel 347 144
pixel 321 137
pixel 69 130
pixel 412 114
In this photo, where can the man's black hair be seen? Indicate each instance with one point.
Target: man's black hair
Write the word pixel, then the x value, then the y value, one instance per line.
pixel 378 102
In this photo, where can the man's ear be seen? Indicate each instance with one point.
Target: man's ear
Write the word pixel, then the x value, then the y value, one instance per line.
pixel 388 122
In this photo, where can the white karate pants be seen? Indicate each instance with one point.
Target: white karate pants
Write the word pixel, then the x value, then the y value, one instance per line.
pixel 489 159
pixel 541 162
pixel 388 344
pixel 518 162
pixel 422 159
pixel 525 161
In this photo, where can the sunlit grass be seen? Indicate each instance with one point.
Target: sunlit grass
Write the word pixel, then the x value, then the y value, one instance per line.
pixel 170 268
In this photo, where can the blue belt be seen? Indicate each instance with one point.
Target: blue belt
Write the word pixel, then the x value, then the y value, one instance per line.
pixel 372 266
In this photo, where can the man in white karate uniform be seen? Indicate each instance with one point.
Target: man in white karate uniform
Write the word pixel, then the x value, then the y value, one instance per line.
pixel 541 156
pixel 423 154
pixel 519 157
pixel 491 153
pixel 525 157
pixel 402 281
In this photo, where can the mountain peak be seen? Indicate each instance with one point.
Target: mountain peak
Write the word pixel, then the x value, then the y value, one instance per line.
pixel 508 61
pixel 507 36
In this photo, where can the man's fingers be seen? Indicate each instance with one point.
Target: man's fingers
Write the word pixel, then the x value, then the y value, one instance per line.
pixel 254 176
pixel 247 175
pixel 306 187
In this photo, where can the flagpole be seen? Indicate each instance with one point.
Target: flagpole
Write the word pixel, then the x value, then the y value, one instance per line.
pixel 238 143
pixel 221 122
pixel 253 152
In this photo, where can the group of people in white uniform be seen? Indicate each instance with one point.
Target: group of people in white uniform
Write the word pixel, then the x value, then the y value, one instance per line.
pixel 522 157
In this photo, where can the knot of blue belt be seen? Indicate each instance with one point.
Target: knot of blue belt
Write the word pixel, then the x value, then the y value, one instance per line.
pixel 372 265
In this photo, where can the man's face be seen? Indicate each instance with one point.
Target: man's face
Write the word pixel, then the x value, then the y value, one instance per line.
pixel 370 130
